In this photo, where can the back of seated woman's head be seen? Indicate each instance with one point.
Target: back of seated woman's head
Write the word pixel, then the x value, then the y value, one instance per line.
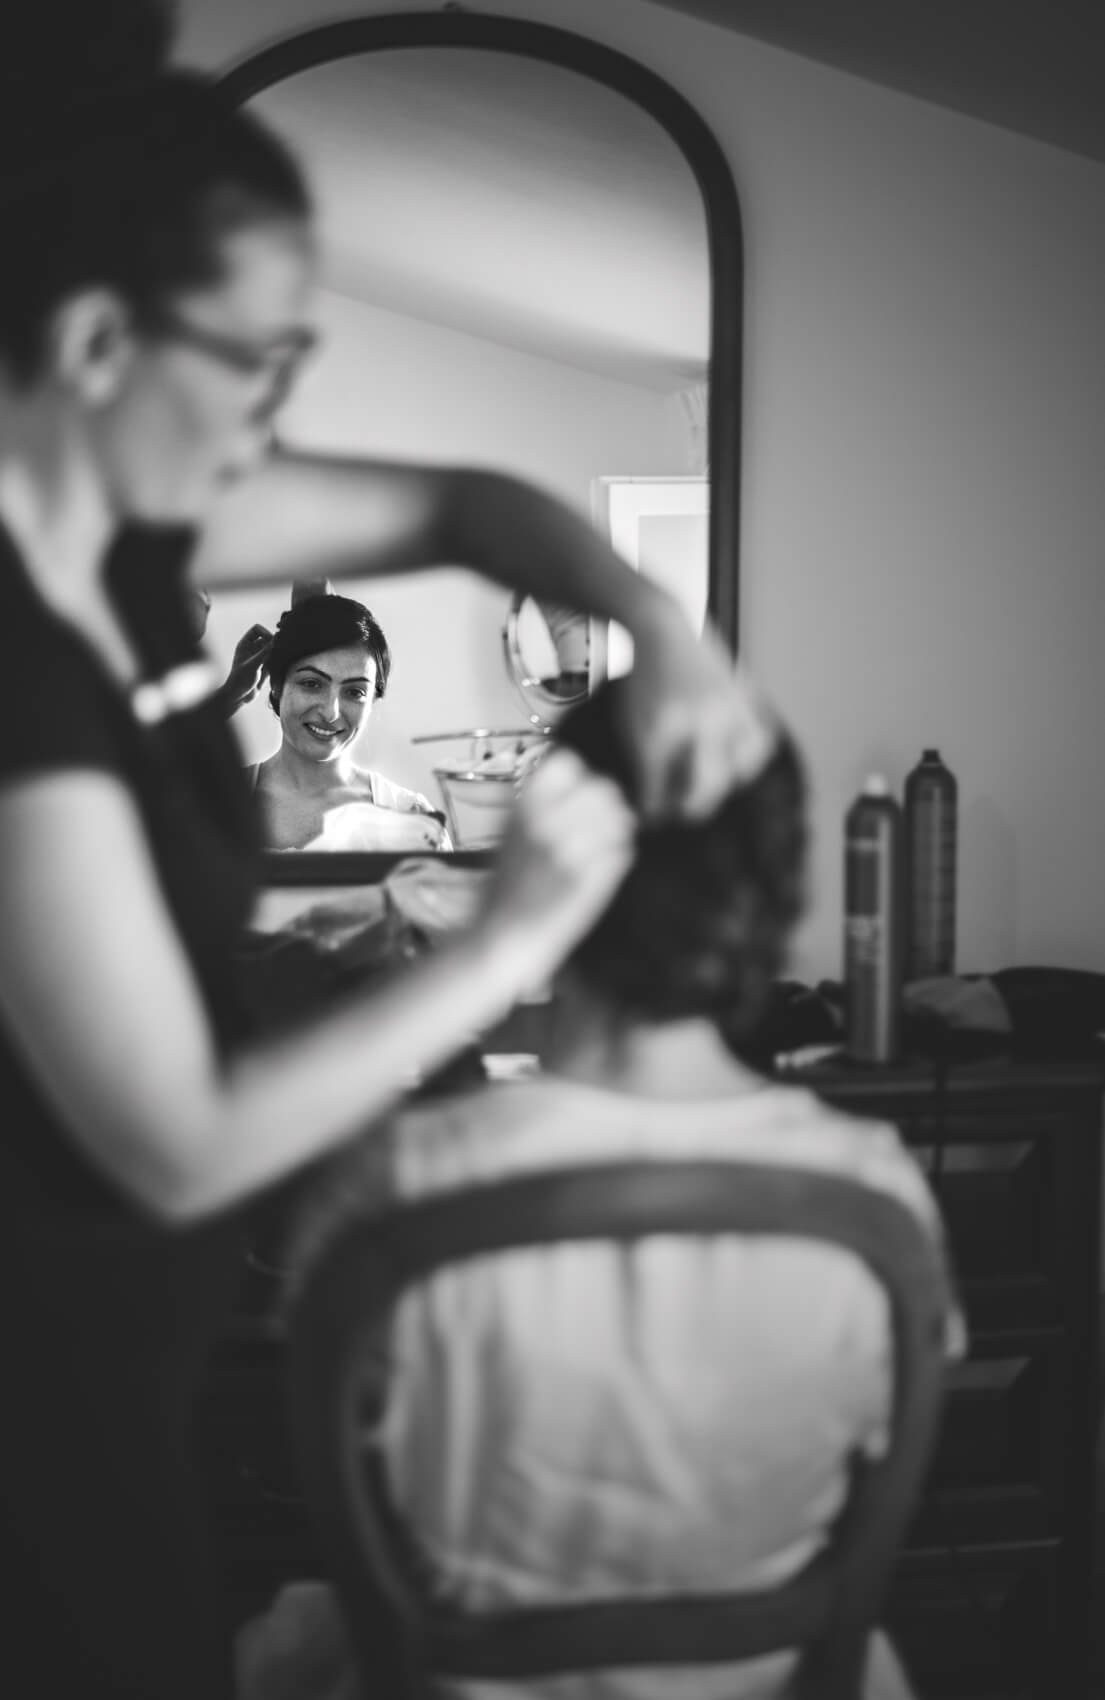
pixel 320 623
pixel 699 925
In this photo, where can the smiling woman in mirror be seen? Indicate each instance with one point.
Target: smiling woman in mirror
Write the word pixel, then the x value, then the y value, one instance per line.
pixel 328 665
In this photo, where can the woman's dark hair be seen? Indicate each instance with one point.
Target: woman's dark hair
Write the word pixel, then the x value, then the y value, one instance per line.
pixel 116 171
pixel 699 925
pixel 324 622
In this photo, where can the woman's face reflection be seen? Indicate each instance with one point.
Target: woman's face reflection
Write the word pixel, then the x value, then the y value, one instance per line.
pixel 326 700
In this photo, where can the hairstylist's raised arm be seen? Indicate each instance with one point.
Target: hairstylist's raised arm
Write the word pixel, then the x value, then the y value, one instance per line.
pixel 693 726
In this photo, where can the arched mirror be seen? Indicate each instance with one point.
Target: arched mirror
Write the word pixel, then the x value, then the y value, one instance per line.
pixel 531 259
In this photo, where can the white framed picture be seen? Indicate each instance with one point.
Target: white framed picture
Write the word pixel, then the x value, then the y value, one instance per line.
pixel 660 527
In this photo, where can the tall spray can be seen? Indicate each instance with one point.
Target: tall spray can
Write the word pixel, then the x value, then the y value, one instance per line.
pixel 931 832
pixel 873 916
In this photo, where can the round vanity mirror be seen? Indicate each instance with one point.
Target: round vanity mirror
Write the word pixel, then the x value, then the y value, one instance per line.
pixel 548 656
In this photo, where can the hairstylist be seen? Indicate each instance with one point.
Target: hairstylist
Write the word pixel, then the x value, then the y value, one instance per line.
pixel 154 299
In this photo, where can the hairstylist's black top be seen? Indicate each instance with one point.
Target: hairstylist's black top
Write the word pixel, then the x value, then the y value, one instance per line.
pixel 106 1583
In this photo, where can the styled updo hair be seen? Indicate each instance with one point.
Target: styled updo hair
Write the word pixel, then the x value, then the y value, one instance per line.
pixel 699 925
pixel 324 622
pixel 116 170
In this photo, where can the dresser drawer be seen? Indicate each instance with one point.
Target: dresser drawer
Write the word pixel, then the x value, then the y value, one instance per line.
pixel 1001 1464
pixel 978 1623
pixel 996 1196
pixel 1010 1189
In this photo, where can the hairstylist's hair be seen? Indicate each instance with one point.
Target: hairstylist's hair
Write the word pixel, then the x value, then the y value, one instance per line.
pixel 699 925
pixel 319 623
pixel 116 171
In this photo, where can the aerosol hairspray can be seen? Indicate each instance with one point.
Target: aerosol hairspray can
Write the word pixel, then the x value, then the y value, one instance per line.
pixel 931 797
pixel 873 924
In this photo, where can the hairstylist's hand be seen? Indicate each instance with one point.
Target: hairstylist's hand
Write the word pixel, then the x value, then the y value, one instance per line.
pixel 247 669
pixel 566 849
pixel 695 723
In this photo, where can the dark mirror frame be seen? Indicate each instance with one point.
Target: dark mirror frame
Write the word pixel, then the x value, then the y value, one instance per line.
pixel 692 136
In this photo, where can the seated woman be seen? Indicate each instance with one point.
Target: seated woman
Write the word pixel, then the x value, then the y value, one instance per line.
pixel 328 663
pixel 615 1449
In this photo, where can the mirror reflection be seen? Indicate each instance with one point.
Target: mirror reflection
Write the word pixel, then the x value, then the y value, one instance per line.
pixel 548 655
pixel 515 273
pixel 328 664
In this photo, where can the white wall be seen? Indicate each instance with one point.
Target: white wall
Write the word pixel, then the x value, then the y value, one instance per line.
pixel 401 388
pixel 924 479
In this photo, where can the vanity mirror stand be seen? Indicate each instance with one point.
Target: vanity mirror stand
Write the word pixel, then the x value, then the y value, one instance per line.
pixel 547 654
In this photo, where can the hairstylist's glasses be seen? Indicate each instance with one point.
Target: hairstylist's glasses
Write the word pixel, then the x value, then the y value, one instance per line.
pixel 278 361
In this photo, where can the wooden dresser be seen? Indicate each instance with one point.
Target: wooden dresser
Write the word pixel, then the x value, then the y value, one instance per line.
pixel 991 1597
